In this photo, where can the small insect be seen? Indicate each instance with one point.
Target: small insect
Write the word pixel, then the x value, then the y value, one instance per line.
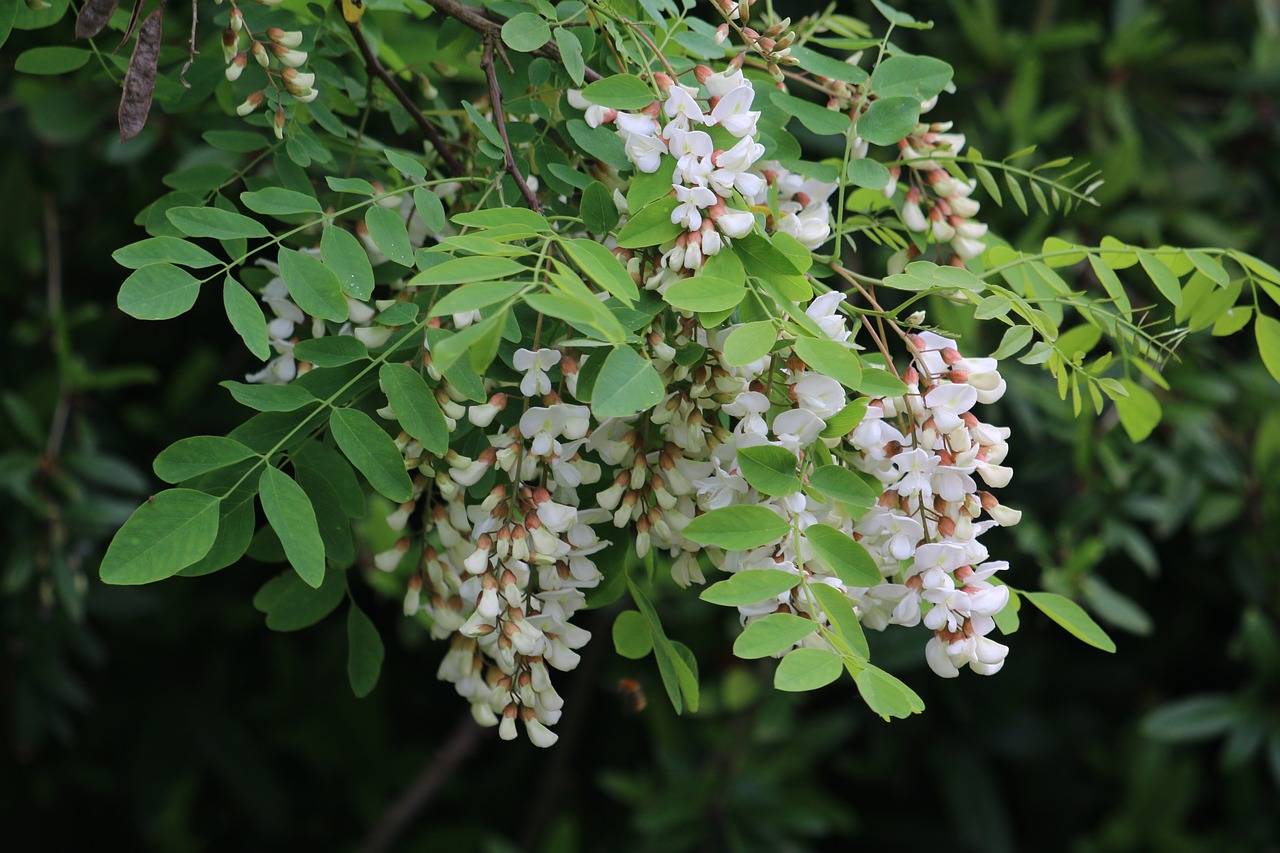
pixel 633 698
pixel 352 10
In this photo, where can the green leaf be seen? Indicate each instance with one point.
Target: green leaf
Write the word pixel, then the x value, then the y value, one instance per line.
pixel 676 665
pixel 826 66
pixel 868 173
pixel 158 292
pixel 774 633
pixel 51 60
pixel 602 267
pixel 1162 277
pixel 313 285
pixel 169 532
pixel 373 453
pixel 431 209
pixel 1193 718
pixel 163 250
pixel 839 484
pixel 346 258
pixel 571 54
pixel 277 201
pixel 840 614
pixel 631 637
pixel 289 511
pixel 881 383
pixel 358 186
pixel 817 118
pixel 771 470
pixel 749 342
pixel 599 142
pixel 847 559
pixel 269 398
pixel 620 92
pixel 235 531
pixel 770 264
pixel 463 270
pixel 1015 338
pixel 291 605
pixel 246 318
pixel 918 77
pixel 888 120
pixel 831 359
pixel 526 32
pixel 388 232
pixel 887 695
pixel 1267 331
pixel 751 586
pixel 212 222
pixel 737 528
pixel 191 457
pixel 598 211
pixel 1139 412
pixel 703 293
pixel 364 652
pixel 650 226
pixel 331 351
pixel 1072 617
pixel 627 385
pixel 471 297
pixel 498 217
pixel 405 164
pixel 807 669
pixel 647 187
pixel 415 406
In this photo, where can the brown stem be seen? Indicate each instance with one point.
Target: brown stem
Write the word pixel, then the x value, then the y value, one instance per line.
pixel 486 26
pixel 428 129
pixel 460 743
pixel 495 98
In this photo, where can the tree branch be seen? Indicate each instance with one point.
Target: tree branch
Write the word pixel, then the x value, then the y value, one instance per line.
pixel 495 98
pixel 486 26
pixel 375 68
pixel 460 743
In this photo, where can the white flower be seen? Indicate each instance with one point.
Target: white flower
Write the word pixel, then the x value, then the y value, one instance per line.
pixel 797 428
pixel 681 108
pixel 735 223
pixel 693 200
pixel 645 152
pixel 824 311
pixel 535 364
pixel 733 112
pixel 820 394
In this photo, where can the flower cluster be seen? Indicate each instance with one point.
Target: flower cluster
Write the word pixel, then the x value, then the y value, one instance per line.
pixel 276 51
pixel 499 544
pixel 927 447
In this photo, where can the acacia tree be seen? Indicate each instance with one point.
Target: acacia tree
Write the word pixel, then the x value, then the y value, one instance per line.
pixel 602 298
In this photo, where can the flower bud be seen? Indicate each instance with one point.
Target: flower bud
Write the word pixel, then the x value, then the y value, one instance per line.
pixel 277 123
pixel 287 38
pixel 260 54
pixel 237 66
pixel 250 104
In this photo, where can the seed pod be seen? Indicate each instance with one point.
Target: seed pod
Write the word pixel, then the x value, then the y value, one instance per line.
pixel 93 17
pixel 140 79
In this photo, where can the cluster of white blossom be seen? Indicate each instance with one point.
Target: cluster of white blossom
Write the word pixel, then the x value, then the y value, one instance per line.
pixel 512 566
pixel 279 56
pixel 718 188
pixel 927 447
pixel 508 536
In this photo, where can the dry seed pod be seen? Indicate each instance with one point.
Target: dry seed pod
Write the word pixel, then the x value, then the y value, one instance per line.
pixel 140 80
pixel 94 16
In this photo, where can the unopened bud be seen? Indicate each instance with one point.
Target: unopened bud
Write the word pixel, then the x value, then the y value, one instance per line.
pixel 237 66
pixel 260 54
pixel 278 123
pixel 250 104
pixel 288 38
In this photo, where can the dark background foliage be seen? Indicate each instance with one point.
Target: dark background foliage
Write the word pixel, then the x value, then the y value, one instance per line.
pixel 169 717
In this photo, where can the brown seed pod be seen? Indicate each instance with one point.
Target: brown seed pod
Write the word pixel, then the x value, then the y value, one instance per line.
pixel 140 79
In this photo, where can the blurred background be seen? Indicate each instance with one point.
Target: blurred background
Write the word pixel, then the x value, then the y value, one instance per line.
pixel 168 717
